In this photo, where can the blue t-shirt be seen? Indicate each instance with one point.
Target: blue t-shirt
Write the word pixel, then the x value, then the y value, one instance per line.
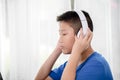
pixel 95 67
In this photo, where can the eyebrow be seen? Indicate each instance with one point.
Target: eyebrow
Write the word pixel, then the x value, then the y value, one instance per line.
pixel 62 30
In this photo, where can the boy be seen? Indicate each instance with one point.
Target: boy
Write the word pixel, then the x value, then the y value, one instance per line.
pixel 84 63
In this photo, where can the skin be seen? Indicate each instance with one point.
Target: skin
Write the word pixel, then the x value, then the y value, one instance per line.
pixel 78 48
pixel 67 37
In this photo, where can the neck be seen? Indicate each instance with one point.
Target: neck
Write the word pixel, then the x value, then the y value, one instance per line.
pixel 86 54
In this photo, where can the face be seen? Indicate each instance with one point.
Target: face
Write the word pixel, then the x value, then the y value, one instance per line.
pixel 67 37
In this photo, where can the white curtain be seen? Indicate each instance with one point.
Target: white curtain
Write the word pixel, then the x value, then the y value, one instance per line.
pixel 28 35
pixel 4 41
pixel 29 32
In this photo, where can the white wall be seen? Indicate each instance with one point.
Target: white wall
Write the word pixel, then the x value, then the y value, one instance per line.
pixel 0 33
pixel 115 29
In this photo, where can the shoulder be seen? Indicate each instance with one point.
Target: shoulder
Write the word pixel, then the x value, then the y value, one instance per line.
pixel 95 59
pixel 97 62
pixel 94 63
pixel 94 68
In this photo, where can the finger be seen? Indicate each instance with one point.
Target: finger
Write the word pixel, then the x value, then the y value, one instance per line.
pixel 90 38
pixel 76 37
pixel 81 33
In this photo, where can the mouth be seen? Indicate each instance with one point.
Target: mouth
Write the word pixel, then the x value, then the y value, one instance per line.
pixel 62 47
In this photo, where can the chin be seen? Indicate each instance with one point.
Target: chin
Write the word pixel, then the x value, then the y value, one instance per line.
pixel 66 52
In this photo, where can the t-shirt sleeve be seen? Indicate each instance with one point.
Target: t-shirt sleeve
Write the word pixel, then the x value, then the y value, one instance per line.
pixel 93 71
pixel 57 72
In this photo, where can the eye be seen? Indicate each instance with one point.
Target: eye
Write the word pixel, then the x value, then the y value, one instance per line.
pixel 63 34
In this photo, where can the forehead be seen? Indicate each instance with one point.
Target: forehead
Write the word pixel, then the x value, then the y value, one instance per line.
pixel 64 26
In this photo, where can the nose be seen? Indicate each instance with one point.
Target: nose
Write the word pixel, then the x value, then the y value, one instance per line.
pixel 60 40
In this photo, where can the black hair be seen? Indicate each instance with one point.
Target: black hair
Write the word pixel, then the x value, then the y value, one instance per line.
pixel 73 19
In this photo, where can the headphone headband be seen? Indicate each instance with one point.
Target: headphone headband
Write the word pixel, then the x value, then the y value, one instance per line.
pixel 83 20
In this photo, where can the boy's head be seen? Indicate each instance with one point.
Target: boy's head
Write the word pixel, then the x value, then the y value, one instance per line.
pixel 70 24
pixel 72 18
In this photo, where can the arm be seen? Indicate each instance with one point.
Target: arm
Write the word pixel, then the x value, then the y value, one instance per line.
pixel 48 64
pixel 79 46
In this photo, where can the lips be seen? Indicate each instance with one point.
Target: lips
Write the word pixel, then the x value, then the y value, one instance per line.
pixel 61 47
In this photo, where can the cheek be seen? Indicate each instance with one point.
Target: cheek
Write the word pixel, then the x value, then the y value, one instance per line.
pixel 68 45
pixel 70 42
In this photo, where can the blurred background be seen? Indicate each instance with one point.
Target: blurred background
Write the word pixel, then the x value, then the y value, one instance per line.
pixel 29 33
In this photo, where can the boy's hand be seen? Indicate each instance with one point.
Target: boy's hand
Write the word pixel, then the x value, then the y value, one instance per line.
pixel 58 48
pixel 83 41
pixel 45 69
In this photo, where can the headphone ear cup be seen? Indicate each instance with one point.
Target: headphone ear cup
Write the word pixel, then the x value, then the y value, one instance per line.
pixel 78 34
